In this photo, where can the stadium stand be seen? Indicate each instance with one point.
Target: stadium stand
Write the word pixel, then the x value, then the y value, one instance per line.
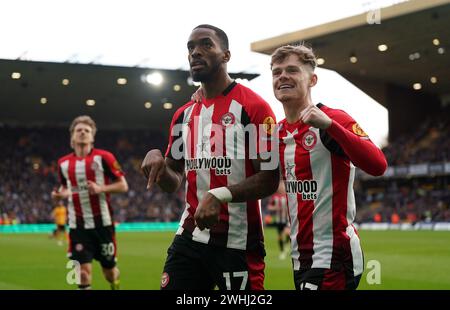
pixel 416 187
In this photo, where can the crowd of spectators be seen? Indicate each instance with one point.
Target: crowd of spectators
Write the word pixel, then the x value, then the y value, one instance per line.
pixel 404 200
pixel 428 143
pixel 410 200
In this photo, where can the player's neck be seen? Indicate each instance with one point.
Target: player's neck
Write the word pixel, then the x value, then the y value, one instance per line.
pixel 293 110
pixel 216 85
pixel 82 150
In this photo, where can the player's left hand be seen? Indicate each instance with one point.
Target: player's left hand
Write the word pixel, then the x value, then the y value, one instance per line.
pixel 208 211
pixel 94 188
pixel 197 96
pixel 315 117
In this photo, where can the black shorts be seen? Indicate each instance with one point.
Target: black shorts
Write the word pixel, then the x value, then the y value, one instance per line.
pixel 280 227
pixel 192 265
pixel 325 279
pixel 61 227
pixel 98 243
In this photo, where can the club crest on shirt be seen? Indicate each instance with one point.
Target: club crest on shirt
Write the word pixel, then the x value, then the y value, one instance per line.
pixel 79 247
pixel 309 140
pixel 228 119
pixel 358 130
pixel 165 279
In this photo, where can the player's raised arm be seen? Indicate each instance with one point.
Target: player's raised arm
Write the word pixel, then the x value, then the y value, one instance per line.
pixel 262 184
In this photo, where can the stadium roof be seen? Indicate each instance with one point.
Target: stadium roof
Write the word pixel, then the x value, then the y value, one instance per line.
pixel 33 93
pixel 415 33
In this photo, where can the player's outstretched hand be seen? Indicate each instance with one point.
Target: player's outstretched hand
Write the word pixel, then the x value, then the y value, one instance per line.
pixel 208 211
pixel 153 166
pixel 315 117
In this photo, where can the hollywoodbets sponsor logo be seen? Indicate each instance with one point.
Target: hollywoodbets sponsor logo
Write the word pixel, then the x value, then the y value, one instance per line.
pixel 306 188
pixel 221 164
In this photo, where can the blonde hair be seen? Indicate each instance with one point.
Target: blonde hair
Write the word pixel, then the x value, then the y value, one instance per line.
pixel 83 119
pixel 304 53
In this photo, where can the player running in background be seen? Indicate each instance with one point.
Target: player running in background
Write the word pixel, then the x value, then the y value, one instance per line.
pixel 59 215
pixel 280 218
pixel 319 149
pixel 220 238
pixel 88 176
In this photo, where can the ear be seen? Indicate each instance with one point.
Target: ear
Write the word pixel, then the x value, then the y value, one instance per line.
pixel 313 80
pixel 226 56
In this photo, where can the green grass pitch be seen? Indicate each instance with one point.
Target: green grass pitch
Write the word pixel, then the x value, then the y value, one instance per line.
pixel 408 260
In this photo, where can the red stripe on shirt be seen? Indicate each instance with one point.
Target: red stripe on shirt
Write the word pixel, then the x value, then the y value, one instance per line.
pixel 340 176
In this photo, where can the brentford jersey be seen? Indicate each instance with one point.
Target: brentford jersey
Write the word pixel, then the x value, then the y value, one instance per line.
pixel 85 210
pixel 280 211
pixel 217 139
pixel 318 170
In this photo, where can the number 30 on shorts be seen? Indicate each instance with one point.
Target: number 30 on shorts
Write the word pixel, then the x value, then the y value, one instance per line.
pixel 107 249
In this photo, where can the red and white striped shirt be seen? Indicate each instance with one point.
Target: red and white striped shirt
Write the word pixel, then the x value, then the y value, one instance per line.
pixel 318 169
pixel 211 140
pixel 89 211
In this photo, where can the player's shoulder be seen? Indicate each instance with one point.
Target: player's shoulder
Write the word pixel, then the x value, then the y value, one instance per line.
pixel 65 157
pixel 101 152
pixel 248 97
pixel 337 114
pixel 180 110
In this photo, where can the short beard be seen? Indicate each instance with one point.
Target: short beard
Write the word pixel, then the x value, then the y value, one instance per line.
pixel 206 76
pixel 200 77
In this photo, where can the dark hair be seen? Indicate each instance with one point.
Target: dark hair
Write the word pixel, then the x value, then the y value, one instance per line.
pixel 220 34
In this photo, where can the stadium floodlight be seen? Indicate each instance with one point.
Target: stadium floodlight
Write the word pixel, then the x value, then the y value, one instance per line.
pixel 90 102
pixel 148 105
pixel 176 87
pixel 65 82
pixel 382 47
pixel 417 86
pixel 43 100
pixel 353 59
pixel 121 81
pixel 154 78
pixel 433 79
pixel 436 41
pixel 320 61
pixel 441 50
pixel 15 75
pixel 167 106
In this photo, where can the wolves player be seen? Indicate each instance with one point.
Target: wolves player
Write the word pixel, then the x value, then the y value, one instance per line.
pixel 88 177
pixel 319 149
pixel 220 239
